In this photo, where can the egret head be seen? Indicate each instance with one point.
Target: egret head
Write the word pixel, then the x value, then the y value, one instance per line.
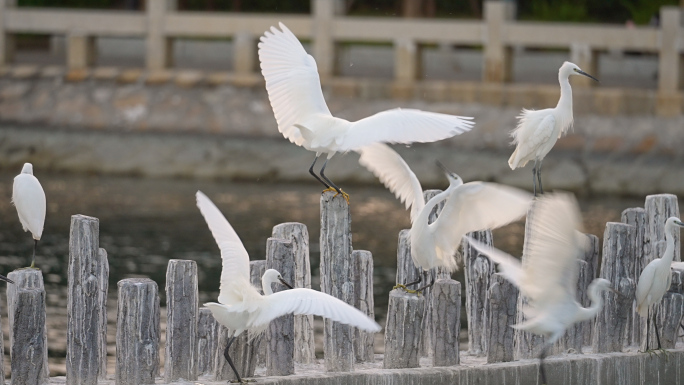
pixel 27 169
pixel 272 276
pixel 672 223
pixel 568 69
pixel 454 180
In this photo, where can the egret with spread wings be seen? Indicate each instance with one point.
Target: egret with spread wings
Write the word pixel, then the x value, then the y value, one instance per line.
pixel 242 308
pixel 294 90
pixel 548 278
pixel 472 206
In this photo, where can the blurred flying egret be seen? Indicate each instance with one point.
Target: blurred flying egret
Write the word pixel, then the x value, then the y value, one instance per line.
pixel 29 199
pixel 472 206
pixel 549 275
pixel 241 307
pixel 538 131
pixel 656 278
pixel 294 90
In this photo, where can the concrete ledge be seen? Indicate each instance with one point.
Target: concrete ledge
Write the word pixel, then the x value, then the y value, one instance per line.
pixel 575 369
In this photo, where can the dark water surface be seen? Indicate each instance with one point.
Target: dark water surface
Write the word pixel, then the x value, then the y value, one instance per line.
pixel 146 222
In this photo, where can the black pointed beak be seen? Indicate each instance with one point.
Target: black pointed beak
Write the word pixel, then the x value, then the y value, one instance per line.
pixel 285 283
pixel 3 278
pixel 443 167
pixel 587 75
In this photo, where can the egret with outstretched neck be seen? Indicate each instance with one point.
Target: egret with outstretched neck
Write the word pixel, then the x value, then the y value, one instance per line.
pixel 241 308
pixel 294 90
pixel 548 279
pixel 656 278
pixel 538 131
pixel 29 199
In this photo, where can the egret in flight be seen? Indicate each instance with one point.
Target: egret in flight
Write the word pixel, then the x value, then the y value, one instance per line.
pixel 548 278
pixel 472 206
pixel 241 308
pixel 29 199
pixel 294 90
pixel 656 278
pixel 538 131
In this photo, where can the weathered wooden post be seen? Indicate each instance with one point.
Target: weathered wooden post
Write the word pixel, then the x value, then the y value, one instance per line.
pixel 88 278
pixel 617 266
pixel 280 333
pixel 243 352
pixel 658 209
pixel 137 332
pixel 501 307
pixel 586 275
pixel 207 339
pixel 364 345
pixel 637 218
pixel 305 348
pixel 336 279
pixel 668 317
pixel 181 321
pixel 446 322
pixel 24 279
pixel 404 330
pixel 29 344
pixel 478 271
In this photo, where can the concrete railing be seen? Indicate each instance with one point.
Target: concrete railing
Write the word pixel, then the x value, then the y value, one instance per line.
pixel 497 33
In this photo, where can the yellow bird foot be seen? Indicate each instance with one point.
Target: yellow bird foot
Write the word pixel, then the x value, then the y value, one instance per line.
pixel 406 289
pixel 344 194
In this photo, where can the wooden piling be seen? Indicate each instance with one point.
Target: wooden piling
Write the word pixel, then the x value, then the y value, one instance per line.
pixel 668 316
pixel 29 343
pixel 305 348
pixel 446 322
pixel 207 341
pixel 256 271
pixel 336 279
pixel 587 273
pixel 478 270
pixel 23 279
pixel 280 333
pixel 181 321
pixel 86 304
pixel 659 208
pixel 617 266
pixel 637 218
pixel 501 307
pixel 103 280
pixel 137 332
pixel 364 342
pixel 404 330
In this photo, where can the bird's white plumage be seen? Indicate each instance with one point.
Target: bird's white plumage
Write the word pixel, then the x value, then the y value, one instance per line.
pixel 242 307
pixel 534 136
pixel 548 277
pixel 294 90
pixel 29 199
pixel 469 207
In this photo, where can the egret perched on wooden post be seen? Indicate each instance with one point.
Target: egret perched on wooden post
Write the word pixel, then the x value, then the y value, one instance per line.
pixel 548 278
pixel 472 206
pixel 294 90
pixel 538 131
pixel 656 278
pixel 241 307
pixel 29 199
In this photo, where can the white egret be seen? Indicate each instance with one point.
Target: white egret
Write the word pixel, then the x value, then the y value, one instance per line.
pixel 29 199
pixel 294 90
pixel 242 308
pixel 538 131
pixel 549 276
pixel 472 206
pixel 656 277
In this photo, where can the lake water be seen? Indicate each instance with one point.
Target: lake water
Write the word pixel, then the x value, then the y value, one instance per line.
pixel 146 222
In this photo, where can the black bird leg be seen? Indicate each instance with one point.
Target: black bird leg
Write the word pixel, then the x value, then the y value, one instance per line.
pixel 329 182
pixel 432 282
pixel 311 171
pixel 541 188
pixel 534 178
pixel 542 371
pixel 33 259
pixel 230 362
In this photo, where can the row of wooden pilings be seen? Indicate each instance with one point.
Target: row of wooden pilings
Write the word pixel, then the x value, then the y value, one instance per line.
pixel 417 325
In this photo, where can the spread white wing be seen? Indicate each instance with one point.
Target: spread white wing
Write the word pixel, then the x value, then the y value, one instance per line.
pixel 395 174
pixel 307 301
pixel 233 253
pixel 292 82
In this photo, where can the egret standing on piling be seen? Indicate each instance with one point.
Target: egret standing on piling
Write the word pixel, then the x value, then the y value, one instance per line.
pixel 548 278
pixel 29 199
pixel 538 131
pixel 472 206
pixel 294 90
pixel 241 307
pixel 656 278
